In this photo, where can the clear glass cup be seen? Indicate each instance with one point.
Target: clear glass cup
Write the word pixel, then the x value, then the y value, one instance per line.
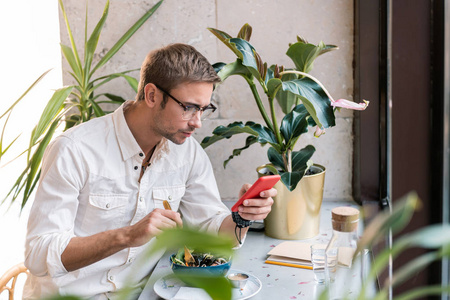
pixel 318 259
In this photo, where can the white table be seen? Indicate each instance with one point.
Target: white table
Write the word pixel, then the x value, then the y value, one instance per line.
pixel 278 282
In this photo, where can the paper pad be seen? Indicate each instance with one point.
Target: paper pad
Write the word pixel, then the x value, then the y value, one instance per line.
pixel 300 253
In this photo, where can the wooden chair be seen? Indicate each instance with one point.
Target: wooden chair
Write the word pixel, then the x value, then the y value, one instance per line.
pixel 12 275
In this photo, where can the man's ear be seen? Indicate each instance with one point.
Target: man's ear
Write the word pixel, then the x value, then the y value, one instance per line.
pixel 150 94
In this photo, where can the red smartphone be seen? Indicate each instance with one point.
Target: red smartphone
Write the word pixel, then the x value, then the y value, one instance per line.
pixel 262 184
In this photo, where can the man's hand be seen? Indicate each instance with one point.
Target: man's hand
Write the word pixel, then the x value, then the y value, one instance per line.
pixel 152 225
pixel 83 251
pixel 257 208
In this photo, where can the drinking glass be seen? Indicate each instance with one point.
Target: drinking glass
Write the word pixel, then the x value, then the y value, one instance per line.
pixel 318 262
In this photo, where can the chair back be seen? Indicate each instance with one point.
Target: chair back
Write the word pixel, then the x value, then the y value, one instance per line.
pixel 11 277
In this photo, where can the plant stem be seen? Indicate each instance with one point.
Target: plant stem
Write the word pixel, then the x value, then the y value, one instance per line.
pixel 310 77
pixel 259 104
pixel 288 160
pixel 275 123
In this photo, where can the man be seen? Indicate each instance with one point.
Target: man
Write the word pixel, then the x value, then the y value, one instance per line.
pixel 103 183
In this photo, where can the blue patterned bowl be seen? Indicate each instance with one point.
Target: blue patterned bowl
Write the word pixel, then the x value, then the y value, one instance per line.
pixel 219 270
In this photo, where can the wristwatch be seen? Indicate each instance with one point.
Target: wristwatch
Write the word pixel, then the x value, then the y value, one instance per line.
pixel 240 222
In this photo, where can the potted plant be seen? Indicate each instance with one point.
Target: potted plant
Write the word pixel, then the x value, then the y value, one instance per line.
pixel 305 102
pixel 75 104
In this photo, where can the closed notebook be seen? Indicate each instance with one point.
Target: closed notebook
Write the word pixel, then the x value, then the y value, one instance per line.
pixel 300 254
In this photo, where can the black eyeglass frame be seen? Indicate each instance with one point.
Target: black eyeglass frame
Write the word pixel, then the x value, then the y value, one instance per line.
pixel 186 107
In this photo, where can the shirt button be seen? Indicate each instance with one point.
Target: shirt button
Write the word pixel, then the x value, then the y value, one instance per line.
pixel 136 167
pixel 170 197
pixel 141 154
pixel 108 205
pixel 111 278
pixel 141 199
pixel 130 259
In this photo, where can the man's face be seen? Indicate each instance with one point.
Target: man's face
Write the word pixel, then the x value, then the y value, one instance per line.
pixel 169 121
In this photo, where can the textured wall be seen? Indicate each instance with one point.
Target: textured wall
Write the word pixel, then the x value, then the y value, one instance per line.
pixel 275 25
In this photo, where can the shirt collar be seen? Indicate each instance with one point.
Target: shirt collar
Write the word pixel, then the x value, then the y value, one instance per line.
pixel 127 143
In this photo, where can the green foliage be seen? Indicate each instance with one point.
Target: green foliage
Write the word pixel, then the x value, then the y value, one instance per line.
pixel 301 97
pixel 8 112
pixel 171 240
pixel 175 239
pixel 435 238
pixel 74 104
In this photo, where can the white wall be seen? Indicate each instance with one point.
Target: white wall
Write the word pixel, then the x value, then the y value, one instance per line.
pixel 276 23
pixel 29 33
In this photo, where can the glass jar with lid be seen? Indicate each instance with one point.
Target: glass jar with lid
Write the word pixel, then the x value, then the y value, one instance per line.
pixel 343 273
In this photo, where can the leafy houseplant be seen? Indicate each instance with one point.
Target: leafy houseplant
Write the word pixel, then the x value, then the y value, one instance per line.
pixel 7 114
pixel 303 99
pixel 77 103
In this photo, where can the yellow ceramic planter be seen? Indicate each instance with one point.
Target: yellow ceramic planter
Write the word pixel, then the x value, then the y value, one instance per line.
pixel 296 215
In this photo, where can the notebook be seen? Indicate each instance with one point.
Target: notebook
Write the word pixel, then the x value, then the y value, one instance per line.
pixel 299 254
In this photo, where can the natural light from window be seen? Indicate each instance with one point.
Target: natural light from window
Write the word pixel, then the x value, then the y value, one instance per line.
pixel 29 31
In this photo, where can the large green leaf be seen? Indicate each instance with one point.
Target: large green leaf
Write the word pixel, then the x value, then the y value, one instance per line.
pixel 248 56
pixel 35 161
pixel 300 159
pixel 97 109
pixel 72 40
pixel 300 163
pixel 114 99
pixel 218 288
pixel 51 110
pixel 250 140
pixel 235 68
pixel 92 42
pixel 294 124
pixel 287 100
pixel 107 78
pixel 225 38
pixel 221 132
pixel 430 237
pixel 414 266
pixel 424 291
pixel 303 54
pixel 8 112
pixel 315 100
pixel 273 86
pixel 126 37
pixel 173 239
pixel 396 220
pixel 76 73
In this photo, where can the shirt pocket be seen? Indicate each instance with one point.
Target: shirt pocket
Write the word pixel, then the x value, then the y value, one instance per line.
pixel 172 194
pixel 104 212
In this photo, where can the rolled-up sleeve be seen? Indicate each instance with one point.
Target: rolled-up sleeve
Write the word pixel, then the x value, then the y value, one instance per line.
pixel 52 216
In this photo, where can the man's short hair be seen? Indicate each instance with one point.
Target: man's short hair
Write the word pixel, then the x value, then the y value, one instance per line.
pixel 175 64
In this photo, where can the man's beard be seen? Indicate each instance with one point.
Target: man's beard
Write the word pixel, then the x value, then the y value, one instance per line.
pixel 173 137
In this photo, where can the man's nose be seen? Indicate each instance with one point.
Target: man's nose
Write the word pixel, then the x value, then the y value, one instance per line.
pixel 196 121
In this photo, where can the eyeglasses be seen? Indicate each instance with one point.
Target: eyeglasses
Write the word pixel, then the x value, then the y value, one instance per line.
pixel 191 110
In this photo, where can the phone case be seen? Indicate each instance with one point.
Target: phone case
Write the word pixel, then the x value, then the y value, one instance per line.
pixel 262 184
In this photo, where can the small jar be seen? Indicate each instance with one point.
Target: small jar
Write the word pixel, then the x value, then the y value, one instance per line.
pixel 343 278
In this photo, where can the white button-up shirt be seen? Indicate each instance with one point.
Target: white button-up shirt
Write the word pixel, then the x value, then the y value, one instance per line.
pixel 90 183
